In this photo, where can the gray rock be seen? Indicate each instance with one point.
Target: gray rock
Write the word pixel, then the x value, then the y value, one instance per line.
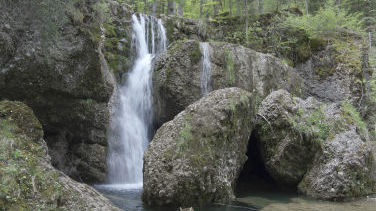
pixel 176 78
pixel 342 170
pixel 286 148
pixel 196 158
pixel 324 149
pixel 60 70
pixel 27 177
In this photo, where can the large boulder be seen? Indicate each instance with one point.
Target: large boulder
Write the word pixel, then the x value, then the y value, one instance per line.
pixel 286 150
pixel 323 148
pixel 196 158
pixel 176 78
pixel 343 169
pixel 53 58
pixel 28 181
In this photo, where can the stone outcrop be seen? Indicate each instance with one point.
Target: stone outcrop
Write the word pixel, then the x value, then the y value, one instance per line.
pixel 196 158
pixel 53 58
pixel 343 170
pixel 322 148
pixel 28 180
pixel 177 72
pixel 286 150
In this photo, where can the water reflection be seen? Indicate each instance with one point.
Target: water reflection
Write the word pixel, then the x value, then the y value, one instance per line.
pixel 261 198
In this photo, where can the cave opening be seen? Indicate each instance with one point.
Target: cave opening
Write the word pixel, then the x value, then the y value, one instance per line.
pixel 254 179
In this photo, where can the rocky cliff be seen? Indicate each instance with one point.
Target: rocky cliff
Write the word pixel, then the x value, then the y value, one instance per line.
pixel 58 58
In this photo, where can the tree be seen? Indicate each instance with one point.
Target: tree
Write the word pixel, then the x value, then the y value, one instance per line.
pixel 171 10
pixel 260 6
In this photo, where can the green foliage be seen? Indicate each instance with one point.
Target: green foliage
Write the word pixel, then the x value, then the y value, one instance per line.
pixel 185 135
pixel 195 54
pixel 23 178
pixel 351 115
pixel 327 21
pixel 315 125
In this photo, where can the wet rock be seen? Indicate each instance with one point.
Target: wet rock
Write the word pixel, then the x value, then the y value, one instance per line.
pixel 176 78
pixel 196 158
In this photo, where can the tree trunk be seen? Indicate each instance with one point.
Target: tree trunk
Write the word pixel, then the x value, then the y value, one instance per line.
pixel 154 9
pixel 238 5
pixel 181 8
pixel 370 41
pixel 260 6
pixel 307 7
pixel 171 7
pixel 201 5
pixel 246 19
pixel 215 8
pixel 230 7
pixel 338 3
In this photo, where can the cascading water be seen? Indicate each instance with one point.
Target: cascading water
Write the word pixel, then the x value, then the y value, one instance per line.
pixel 205 77
pixel 132 120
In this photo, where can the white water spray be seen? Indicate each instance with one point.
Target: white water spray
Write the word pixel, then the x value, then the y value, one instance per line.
pixel 133 119
pixel 205 78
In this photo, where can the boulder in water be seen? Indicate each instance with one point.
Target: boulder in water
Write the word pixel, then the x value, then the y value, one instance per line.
pixel 342 170
pixel 196 158
pixel 321 148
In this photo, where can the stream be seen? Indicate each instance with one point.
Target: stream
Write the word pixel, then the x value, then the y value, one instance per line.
pixel 260 197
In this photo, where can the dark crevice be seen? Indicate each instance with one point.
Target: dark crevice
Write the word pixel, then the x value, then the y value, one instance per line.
pixel 254 177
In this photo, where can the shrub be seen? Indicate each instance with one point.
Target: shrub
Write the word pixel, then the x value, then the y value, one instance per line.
pixel 327 21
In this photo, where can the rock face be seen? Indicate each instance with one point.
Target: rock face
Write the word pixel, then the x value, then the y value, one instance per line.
pixel 177 72
pixel 343 169
pixel 287 152
pixel 28 181
pixel 196 158
pixel 59 69
pixel 322 147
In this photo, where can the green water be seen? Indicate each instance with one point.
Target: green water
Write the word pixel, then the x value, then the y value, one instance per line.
pixel 256 196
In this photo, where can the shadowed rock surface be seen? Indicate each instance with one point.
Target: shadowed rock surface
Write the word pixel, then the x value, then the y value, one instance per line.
pixel 28 180
pixel 54 60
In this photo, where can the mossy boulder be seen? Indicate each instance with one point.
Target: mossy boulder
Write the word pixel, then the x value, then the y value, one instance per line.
pixel 287 150
pixel 55 60
pixel 306 144
pixel 342 170
pixel 177 72
pixel 196 158
pixel 27 179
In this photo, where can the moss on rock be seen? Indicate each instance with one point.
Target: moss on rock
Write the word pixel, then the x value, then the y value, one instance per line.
pixel 27 179
pixel 196 158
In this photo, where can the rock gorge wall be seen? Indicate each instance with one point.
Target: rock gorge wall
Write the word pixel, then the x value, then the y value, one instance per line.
pixel 59 58
pixel 27 179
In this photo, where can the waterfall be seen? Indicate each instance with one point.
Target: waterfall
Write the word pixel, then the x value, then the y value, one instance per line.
pixel 205 77
pixel 131 122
